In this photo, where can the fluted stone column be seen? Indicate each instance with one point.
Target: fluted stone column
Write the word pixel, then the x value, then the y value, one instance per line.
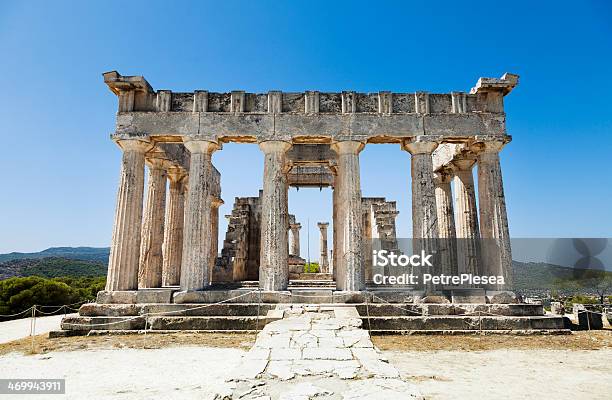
pixel 173 236
pixel 468 234
pixel 295 239
pixel 446 223
pixel 323 262
pixel 336 230
pixel 152 236
pixel 273 266
pixel 424 212
pixel 214 233
pixel 125 244
pixel 350 275
pixel 493 216
pixel 195 263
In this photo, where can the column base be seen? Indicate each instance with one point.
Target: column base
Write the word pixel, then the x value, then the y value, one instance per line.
pixel 155 295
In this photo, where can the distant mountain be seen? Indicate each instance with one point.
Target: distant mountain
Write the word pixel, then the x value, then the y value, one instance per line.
pixel 51 267
pixel 98 254
pixel 532 275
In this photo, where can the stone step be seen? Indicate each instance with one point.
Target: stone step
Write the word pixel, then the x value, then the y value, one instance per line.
pixel 517 310
pixel 176 310
pixel 461 323
pixel 203 323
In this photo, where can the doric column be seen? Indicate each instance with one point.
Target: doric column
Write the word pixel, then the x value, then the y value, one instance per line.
pixel 173 236
pixel 323 262
pixel 273 265
pixel 195 263
pixel 214 233
pixel 295 239
pixel 152 236
pixel 125 244
pixel 446 223
pixel 468 235
pixel 336 230
pixel 493 216
pixel 424 213
pixel 351 272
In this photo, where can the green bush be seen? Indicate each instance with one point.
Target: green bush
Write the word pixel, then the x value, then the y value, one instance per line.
pixel 313 267
pixel 20 293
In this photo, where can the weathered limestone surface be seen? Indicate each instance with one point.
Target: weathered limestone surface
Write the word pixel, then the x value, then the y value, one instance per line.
pixel 424 213
pixel 323 262
pixel 196 235
pixel 468 245
pixel 125 250
pixel 273 268
pixel 446 224
pixel 493 216
pixel 152 237
pixel 311 354
pixel 173 236
pixel 351 272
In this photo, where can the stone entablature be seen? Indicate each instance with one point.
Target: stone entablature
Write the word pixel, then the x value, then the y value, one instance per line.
pixel 309 117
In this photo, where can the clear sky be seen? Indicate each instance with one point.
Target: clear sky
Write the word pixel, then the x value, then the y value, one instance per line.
pixel 60 170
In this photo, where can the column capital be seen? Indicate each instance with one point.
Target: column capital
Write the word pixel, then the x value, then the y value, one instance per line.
pixel 348 147
pixel 443 176
pixel 176 174
pixel 464 164
pixel 201 146
pixel 274 146
pixel 216 202
pixel 488 144
pixel 420 145
pixel 158 163
pixel 139 145
pixel 322 225
pixel 297 226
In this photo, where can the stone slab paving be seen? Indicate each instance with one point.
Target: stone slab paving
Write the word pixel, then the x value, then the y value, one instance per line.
pixel 315 352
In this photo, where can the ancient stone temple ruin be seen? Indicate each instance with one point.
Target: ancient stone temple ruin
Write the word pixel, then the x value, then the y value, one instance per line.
pixel 164 250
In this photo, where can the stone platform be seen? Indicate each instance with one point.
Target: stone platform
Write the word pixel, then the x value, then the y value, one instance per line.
pixel 376 314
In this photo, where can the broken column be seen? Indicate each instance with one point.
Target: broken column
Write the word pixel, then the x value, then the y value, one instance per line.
pixel 273 266
pixel 323 262
pixel 295 239
pixel 493 216
pixel 350 275
pixel 152 237
pixel 125 244
pixel 196 234
pixel 173 236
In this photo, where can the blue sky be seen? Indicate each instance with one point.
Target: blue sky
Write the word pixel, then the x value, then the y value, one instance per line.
pixel 61 170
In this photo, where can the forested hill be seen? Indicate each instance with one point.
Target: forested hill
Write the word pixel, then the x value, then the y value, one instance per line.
pixel 98 254
pixel 51 267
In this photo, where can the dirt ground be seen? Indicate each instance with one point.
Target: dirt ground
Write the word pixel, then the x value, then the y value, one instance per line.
pixel 42 344
pixel 583 340
pixel 593 340
pixel 563 367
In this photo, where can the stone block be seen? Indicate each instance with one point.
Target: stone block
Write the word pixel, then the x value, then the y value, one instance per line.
pixel 161 296
pixel 587 319
pixel 557 308
pixel 502 297
pixel 468 296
